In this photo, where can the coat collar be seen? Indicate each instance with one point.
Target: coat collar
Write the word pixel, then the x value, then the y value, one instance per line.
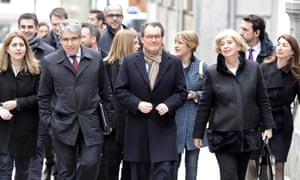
pixel 85 59
pixel 140 63
pixel 222 68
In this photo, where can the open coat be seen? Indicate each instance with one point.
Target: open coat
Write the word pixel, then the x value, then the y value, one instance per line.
pixel 69 100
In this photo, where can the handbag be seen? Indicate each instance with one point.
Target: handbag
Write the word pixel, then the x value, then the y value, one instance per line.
pixel 104 119
pixel 266 165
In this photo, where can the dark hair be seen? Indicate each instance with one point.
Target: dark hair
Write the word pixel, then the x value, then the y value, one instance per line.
pixel 294 60
pixel 100 14
pixel 28 16
pixel 59 12
pixel 43 24
pixel 153 24
pixel 93 30
pixel 257 24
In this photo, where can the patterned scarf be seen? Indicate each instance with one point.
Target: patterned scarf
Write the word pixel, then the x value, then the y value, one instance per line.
pixel 154 61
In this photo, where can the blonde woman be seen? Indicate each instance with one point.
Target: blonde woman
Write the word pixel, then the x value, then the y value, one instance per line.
pixel 236 104
pixel 125 42
pixel 19 118
pixel 186 43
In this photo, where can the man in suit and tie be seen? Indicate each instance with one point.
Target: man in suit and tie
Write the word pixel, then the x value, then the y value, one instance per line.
pixel 73 82
pixel 151 85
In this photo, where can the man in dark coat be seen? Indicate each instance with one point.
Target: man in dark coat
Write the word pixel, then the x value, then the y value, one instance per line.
pixel 151 85
pixel 253 31
pixel 113 19
pixel 57 15
pixel 28 25
pixel 73 82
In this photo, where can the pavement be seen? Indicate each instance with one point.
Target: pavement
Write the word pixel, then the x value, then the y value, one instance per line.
pixel 207 166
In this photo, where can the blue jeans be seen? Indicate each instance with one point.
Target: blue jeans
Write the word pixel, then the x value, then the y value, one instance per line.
pixel 191 164
pixel 7 165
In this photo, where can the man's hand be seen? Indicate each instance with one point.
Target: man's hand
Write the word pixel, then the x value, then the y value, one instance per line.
pixel 162 109
pixel 145 107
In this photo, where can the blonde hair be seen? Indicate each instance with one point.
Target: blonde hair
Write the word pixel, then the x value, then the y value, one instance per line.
pixel 123 44
pixel 234 35
pixel 31 64
pixel 190 38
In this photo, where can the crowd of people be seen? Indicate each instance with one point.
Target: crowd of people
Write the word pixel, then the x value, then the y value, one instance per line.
pixel 159 105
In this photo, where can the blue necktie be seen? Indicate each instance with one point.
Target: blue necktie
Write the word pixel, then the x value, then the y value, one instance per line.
pixel 250 54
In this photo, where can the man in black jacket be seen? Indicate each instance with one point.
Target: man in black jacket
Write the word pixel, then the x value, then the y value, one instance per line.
pixel 253 31
pixel 113 19
pixel 57 15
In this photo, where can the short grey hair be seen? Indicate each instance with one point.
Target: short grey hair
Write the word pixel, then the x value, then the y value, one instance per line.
pixel 70 25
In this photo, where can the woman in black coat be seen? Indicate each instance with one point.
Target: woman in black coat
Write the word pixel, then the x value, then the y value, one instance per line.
pixel 282 78
pixel 235 103
pixel 125 42
pixel 19 118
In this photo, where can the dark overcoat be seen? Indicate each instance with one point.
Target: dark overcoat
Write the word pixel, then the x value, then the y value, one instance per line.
pixel 150 137
pixel 19 134
pixel 69 101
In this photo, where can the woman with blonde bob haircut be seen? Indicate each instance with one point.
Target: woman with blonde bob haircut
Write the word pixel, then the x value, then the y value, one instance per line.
pixel 19 117
pixel 186 43
pixel 236 105
pixel 125 42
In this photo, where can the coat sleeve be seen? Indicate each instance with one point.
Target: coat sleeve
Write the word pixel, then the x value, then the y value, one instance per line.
pixel 204 108
pixel 45 94
pixel 105 93
pixel 122 92
pixel 263 102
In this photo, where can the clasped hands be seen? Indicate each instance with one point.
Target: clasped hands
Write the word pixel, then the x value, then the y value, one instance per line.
pixel 5 109
pixel 146 107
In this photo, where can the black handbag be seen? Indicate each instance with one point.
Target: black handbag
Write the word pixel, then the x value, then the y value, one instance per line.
pixel 266 165
pixel 104 119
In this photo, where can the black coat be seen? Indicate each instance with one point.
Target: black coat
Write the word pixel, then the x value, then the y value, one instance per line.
pixel 118 123
pixel 235 106
pixel 69 100
pixel 282 89
pixel 150 137
pixel 19 135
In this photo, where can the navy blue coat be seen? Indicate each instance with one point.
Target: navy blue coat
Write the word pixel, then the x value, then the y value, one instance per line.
pixel 150 137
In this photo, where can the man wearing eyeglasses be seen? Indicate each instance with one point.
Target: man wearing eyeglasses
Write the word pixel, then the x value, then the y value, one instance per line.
pixel 113 19
pixel 151 85
pixel 73 82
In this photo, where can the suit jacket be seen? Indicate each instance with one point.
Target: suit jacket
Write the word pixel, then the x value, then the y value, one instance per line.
pixel 19 135
pixel 69 100
pixel 150 137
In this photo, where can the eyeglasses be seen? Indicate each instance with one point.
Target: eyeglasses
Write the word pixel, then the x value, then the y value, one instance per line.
pixel 157 36
pixel 114 15
pixel 72 39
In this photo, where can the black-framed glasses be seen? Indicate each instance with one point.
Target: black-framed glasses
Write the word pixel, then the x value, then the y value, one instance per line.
pixel 114 15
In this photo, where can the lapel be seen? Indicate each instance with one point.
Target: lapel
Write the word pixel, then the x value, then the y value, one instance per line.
pixel 140 63
pixel 85 60
pixel 86 56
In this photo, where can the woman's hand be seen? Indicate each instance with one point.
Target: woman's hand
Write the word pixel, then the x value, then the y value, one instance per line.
pixel 267 134
pixel 9 105
pixel 5 114
pixel 198 142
